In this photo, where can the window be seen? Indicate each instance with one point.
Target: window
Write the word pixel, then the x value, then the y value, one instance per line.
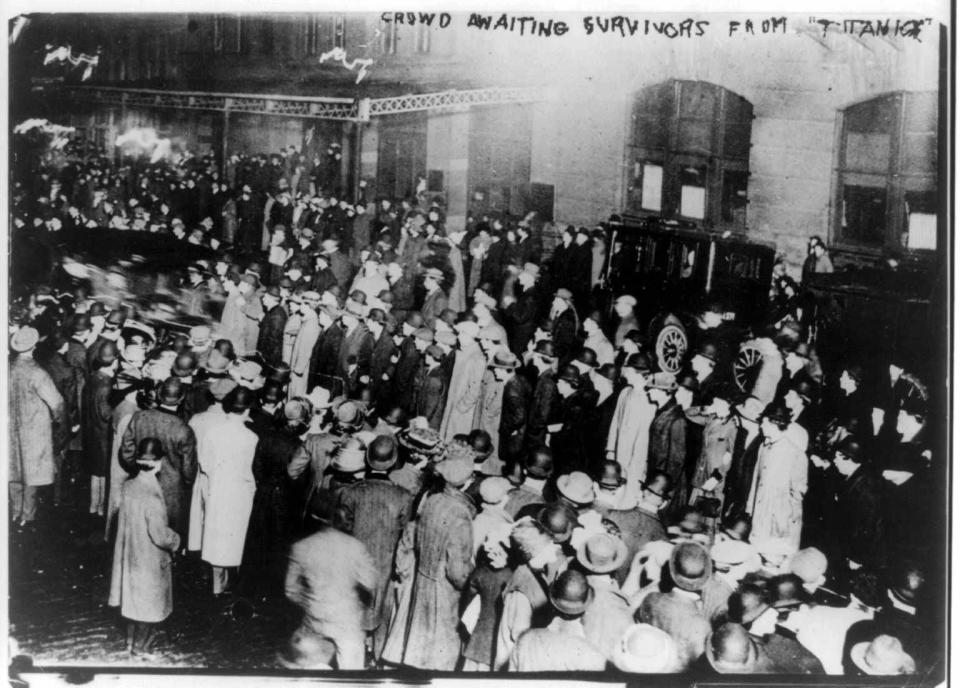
pixel 886 195
pixel 226 34
pixel 689 154
pixel 423 38
pixel 389 38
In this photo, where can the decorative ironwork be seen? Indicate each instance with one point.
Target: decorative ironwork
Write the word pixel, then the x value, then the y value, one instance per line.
pixel 343 109
pixel 446 100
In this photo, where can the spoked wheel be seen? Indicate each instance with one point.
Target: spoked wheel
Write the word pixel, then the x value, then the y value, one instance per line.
pixel 747 366
pixel 670 347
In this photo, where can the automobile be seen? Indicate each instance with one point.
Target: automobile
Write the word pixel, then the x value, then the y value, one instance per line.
pixel 673 269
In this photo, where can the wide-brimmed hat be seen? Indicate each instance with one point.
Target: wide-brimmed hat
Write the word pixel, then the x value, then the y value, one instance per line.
pixel 571 593
pixel 601 553
pixel 810 564
pixel 482 298
pixel 494 489
pixel 729 553
pixel 639 361
pixel 646 649
pixel 577 487
pixel 690 566
pixel 216 362
pixel 882 656
pixel 319 397
pixel 564 294
pixel 456 469
pixel 421 440
pixel 248 374
pixel 433 273
pixel 665 381
pixel 731 650
pixel 24 339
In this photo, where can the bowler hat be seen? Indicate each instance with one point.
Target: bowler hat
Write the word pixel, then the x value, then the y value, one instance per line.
pixel 707 350
pixel 349 415
pixel 539 463
pixel 688 380
pixel 216 362
pixel 601 553
pixel 117 317
pixel 851 448
pixel 382 453
pixel 570 375
pixel 564 294
pixel 786 590
pixel 731 650
pixel 107 354
pixel 639 362
pixel 690 566
pixel 81 323
pixel 171 391
pixel 279 373
pixel 611 475
pixel 272 393
pixel 546 349
pixel 805 388
pixel 810 565
pixel 558 522
pixel 777 412
pixel 577 487
pixel 570 593
pixel 748 603
pixel 882 656
pixel 185 364
pixel 505 359
pixel 456 469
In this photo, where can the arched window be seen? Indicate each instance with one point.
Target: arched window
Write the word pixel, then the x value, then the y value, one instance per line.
pixel 886 195
pixel 689 154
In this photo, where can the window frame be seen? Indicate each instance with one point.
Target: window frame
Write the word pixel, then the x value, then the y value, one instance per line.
pixel 898 181
pixel 673 161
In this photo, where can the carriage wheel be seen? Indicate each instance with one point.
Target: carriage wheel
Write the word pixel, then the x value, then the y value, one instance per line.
pixel 670 347
pixel 746 367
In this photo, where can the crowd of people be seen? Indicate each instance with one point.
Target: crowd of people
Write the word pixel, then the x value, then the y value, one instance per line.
pixel 437 443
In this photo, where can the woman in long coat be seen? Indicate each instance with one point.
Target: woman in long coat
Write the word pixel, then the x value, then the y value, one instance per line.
pixel 141 583
pixel 779 483
pixel 463 395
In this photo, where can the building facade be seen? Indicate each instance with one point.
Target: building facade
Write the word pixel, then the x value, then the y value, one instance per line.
pixel 782 132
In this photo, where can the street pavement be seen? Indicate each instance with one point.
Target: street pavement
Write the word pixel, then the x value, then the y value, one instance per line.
pixel 60 582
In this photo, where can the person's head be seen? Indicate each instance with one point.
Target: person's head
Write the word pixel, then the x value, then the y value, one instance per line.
pixel 848 456
pixel 656 490
pixel 711 316
pixel 149 456
pixel 568 381
pixel 539 463
pixel 911 419
pixel 467 332
pixel 851 378
pixel 591 327
pixel 569 234
pixel 635 370
pixel 816 246
pixel 661 388
pixel 422 338
pixel 774 420
pixel 238 401
pixel 704 360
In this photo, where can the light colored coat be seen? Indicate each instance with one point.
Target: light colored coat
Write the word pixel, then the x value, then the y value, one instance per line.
pixel 776 497
pixel 463 395
pixel 35 405
pixel 225 449
pixel 233 322
pixel 118 476
pixel 458 290
pixel 488 410
pixel 300 355
pixel 601 345
pixel 141 583
pixel 629 436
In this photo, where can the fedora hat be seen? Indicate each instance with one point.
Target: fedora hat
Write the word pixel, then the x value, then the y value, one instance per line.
pixel 601 553
pixel 577 487
pixel 882 656
pixel 850 447
pixel 24 339
pixel 571 594
pixel 786 590
pixel 506 360
pixel 731 650
pixel 690 566
pixel 646 649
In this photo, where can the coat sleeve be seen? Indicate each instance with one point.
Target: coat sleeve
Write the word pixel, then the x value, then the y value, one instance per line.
pixel 294 582
pixel 517 617
pixel 678 442
pixel 406 553
pixel 48 393
pixel 460 553
pixel 513 412
pixel 188 455
pixel 128 446
pixel 159 532
pixel 471 392
pixel 614 434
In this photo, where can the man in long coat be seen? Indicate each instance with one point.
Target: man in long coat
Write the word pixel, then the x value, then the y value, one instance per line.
pixel 270 341
pixel 96 416
pixel 629 437
pixel 779 482
pixel 435 302
pixel 438 553
pixel 376 511
pixel 430 388
pixel 225 451
pixel 36 416
pixel 179 448
pixel 668 437
pixel 356 349
pixel 300 356
pixel 325 359
pixel 492 389
pixel 463 396
pixel 515 405
pixel 384 349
